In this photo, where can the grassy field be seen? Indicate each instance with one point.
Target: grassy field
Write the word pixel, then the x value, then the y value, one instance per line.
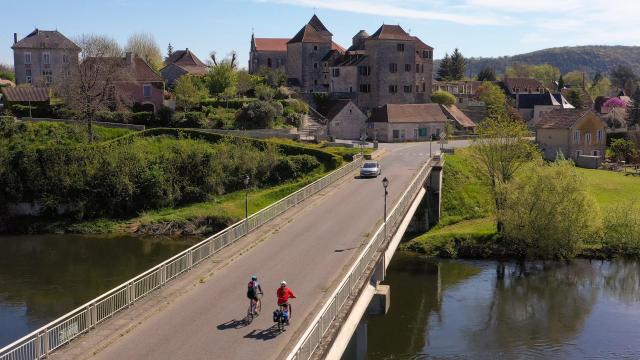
pixel 468 216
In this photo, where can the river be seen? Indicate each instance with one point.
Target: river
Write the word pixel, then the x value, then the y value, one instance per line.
pixel 45 276
pixel 453 309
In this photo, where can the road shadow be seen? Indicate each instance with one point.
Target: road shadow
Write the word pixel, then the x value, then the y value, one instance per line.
pixel 233 324
pixel 347 249
pixel 264 335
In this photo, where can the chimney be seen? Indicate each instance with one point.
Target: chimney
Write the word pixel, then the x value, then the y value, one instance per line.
pixel 129 58
pixel 15 38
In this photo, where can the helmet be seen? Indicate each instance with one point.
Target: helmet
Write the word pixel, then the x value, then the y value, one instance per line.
pixel 254 278
pixel 283 283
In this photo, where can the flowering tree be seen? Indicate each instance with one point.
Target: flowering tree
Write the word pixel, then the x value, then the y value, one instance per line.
pixel 615 102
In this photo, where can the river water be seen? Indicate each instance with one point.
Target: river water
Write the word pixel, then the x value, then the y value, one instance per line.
pixel 453 309
pixel 45 276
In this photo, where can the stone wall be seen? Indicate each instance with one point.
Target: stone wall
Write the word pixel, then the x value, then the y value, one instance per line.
pixel 57 67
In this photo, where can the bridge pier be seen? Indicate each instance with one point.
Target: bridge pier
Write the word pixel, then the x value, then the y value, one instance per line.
pixel 428 212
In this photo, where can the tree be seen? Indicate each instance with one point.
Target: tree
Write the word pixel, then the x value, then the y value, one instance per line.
pixel 443 71
pixel 169 50
pixel 264 92
pixel 544 73
pixel 7 73
pixel 500 151
pixel 549 214
pixel 231 59
pixel 257 115
pixel 574 97
pixel 494 98
pixel 92 87
pixel 560 83
pixel 220 78
pixel 624 78
pixel 623 149
pixel 246 82
pixel 443 98
pixel 487 74
pixel 273 77
pixel 577 79
pixel 602 87
pixel 633 113
pixel 189 92
pixel 457 65
pixel 145 46
pixel 597 77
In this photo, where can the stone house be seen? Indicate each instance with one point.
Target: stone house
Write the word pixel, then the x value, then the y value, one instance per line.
pixel 43 57
pixel 533 106
pixel 406 122
pixel 461 122
pixel 267 52
pixel 463 90
pixel 571 132
pixel 182 62
pixel 345 119
pixel 515 86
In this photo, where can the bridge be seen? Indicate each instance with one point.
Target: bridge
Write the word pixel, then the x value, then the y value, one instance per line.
pixel 326 240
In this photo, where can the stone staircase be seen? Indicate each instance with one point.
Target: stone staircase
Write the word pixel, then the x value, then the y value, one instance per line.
pixel 313 126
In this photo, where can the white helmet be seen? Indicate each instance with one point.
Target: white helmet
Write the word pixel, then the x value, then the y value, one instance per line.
pixel 283 283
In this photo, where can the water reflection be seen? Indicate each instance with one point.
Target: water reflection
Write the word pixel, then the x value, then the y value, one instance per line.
pixel 483 309
pixel 45 276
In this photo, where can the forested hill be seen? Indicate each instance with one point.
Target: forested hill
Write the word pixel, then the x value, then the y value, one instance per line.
pixel 591 59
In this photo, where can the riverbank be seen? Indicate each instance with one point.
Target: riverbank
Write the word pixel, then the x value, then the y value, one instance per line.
pixel 468 227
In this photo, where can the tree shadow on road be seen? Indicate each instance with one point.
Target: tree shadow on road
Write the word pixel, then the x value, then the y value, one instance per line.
pixel 233 324
pixel 266 334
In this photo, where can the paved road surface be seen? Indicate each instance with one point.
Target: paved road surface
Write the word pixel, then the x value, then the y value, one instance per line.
pixel 310 253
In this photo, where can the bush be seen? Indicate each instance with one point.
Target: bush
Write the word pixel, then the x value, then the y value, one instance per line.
pixel 142 118
pixel 257 115
pixel 293 119
pixel 295 106
pixel 230 104
pixel 265 92
pixel 64 113
pixel 443 98
pixel 36 111
pixel 622 230
pixel 282 92
pixel 164 116
pixel 277 107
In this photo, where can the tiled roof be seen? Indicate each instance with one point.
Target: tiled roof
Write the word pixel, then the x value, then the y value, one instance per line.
pixel 25 94
pixel 195 70
pixel 5 82
pixel 522 84
pixel 308 34
pixel 352 60
pixel 184 58
pixel 391 32
pixel 333 107
pixel 142 72
pixel 458 116
pixel 561 118
pixel 318 25
pixel 47 39
pixel 409 113
pixel 336 46
pixel 421 45
pixel 271 44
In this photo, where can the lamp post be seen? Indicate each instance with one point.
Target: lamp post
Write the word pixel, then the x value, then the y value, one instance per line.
pixel 385 183
pixel 430 140
pixel 246 201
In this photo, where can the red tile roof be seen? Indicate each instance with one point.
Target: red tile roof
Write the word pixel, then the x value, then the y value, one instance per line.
pixel 184 58
pixel 271 44
pixel 409 113
pixel 25 94
pixel 458 116
pixel 142 72
pixel 391 32
pixel 522 84
pixel 561 118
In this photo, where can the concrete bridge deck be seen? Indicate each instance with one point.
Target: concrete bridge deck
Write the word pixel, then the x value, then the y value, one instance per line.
pixel 200 317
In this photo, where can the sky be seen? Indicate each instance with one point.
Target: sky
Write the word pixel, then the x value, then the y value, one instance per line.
pixel 479 28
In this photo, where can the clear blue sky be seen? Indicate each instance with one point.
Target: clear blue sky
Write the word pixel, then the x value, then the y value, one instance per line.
pixel 477 27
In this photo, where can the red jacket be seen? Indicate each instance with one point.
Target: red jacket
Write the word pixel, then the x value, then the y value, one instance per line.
pixel 284 294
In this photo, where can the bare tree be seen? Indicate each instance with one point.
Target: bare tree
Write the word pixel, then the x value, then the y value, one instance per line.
pixel 145 46
pixel 91 87
pixel 231 59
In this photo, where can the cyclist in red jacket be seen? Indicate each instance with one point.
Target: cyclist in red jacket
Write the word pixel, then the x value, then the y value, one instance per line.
pixel 284 294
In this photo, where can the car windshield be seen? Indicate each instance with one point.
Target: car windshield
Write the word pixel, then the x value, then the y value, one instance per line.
pixel 370 165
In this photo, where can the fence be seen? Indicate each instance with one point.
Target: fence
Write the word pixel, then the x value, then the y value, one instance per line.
pixel 59 332
pixel 353 281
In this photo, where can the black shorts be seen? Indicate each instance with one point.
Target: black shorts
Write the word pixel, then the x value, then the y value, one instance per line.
pixel 254 297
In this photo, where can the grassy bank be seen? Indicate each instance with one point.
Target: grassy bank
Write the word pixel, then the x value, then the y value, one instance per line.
pixel 468 229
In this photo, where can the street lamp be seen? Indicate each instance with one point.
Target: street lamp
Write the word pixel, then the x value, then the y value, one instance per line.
pixel 385 183
pixel 246 201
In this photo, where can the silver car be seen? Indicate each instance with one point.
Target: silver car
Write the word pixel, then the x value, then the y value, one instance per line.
pixel 370 169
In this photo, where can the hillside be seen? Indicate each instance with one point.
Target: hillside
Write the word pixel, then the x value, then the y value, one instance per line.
pixel 591 59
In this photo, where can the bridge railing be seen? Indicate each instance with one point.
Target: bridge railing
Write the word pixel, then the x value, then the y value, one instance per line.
pixel 353 280
pixel 61 331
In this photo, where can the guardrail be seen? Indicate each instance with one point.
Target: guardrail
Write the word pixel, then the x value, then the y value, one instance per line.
pixel 61 331
pixel 352 281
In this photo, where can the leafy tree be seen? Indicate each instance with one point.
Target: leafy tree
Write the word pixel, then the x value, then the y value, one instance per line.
pixel 633 114
pixel 443 71
pixel 7 73
pixel 264 92
pixel 246 82
pixel 487 74
pixel 273 77
pixel 145 46
pixel 574 97
pixel 624 78
pixel 501 149
pixel 220 78
pixel 257 115
pixel 494 98
pixel 602 87
pixel 443 98
pixel 189 92
pixel 577 79
pixel 544 73
pixel 623 149
pixel 549 214
pixel 597 77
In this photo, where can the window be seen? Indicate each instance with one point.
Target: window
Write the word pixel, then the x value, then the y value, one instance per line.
pixel 268 62
pixel 48 76
pixel 400 47
pixel 315 82
pixel 27 74
pixel 46 59
pixel 146 90
pixel 65 58
pixel 393 89
pixel 393 67
pixel 365 88
pixel 315 65
pixel 422 132
pixel 596 153
pixel 407 67
pixel 576 137
pixel 408 88
pixel 587 138
pixel 315 47
pixel 336 72
pixel 396 134
pixel 599 136
pixel 578 153
pixel 427 54
pixel 27 58
pixel 364 70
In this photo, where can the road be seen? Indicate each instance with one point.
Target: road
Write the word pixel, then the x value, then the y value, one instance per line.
pixel 310 253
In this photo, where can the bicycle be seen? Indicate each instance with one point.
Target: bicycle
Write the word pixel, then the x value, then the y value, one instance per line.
pixel 281 316
pixel 255 306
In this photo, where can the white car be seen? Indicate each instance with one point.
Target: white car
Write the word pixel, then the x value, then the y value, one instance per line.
pixel 370 169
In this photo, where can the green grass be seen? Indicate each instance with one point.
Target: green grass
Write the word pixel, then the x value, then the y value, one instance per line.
pixel 611 188
pixel 104 133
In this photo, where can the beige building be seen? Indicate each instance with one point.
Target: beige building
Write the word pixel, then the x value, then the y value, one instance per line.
pixel 43 57
pixel 345 119
pixel 572 133
pixel 406 122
